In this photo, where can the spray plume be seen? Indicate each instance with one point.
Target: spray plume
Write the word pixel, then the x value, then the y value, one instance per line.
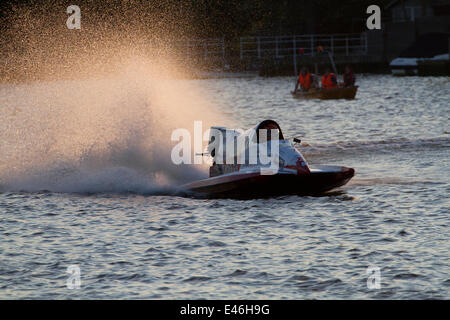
pixel 99 117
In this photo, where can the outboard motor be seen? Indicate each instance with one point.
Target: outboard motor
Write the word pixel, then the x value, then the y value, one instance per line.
pixel 217 148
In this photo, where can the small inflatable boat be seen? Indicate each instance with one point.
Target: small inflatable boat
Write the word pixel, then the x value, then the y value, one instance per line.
pixel 326 94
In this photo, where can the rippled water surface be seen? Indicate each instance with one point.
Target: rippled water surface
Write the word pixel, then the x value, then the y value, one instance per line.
pixel 136 242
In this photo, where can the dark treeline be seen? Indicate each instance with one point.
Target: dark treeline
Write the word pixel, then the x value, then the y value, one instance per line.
pixel 201 18
pixel 35 40
pixel 285 17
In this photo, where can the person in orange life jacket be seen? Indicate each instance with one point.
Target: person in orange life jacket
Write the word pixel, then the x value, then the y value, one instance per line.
pixel 305 80
pixel 329 80
pixel 349 77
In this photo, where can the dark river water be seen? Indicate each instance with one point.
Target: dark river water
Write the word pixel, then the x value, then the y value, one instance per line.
pixel 81 193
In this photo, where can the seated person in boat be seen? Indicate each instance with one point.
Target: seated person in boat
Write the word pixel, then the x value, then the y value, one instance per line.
pixel 329 80
pixel 349 77
pixel 269 126
pixel 305 80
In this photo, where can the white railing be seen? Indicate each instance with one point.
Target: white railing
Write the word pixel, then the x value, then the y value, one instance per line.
pixel 199 48
pixel 281 46
pixel 205 47
pixel 255 48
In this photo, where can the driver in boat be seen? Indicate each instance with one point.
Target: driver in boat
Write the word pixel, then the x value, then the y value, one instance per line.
pixel 329 80
pixel 305 80
pixel 218 169
pixel 269 127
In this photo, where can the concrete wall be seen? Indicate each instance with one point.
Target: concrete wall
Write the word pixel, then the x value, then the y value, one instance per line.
pixel 399 36
pixel 394 37
pixel 433 24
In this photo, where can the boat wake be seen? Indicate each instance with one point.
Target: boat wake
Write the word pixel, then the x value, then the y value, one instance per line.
pixel 378 146
pixel 94 136
pixel 358 182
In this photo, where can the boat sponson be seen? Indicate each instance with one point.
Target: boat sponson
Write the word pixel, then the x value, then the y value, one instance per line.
pixel 257 185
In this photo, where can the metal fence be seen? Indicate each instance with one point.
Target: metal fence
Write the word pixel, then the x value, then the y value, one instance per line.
pixel 256 48
pixel 203 49
pixel 281 46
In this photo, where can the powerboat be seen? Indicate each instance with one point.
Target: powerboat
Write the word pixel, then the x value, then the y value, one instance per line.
pixel 284 170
